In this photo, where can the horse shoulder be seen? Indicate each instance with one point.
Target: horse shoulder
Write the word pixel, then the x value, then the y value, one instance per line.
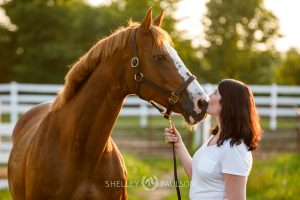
pixel 30 120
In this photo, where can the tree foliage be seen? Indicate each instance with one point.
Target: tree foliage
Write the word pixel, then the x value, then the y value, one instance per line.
pixel 51 35
pixel 240 36
pixel 288 72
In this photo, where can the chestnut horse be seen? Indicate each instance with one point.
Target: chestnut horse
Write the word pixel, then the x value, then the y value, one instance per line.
pixel 64 150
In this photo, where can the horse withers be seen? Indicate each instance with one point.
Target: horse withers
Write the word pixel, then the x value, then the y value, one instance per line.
pixel 64 150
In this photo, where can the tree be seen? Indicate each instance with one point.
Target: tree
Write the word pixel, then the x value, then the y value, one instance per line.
pixel 49 38
pixel 240 36
pixel 51 35
pixel 137 9
pixel 288 71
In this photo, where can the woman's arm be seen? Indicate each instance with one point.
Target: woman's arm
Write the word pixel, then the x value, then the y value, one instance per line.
pixel 185 159
pixel 172 135
pixel 235 186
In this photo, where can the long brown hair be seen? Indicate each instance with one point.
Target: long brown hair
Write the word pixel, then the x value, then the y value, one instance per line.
pixel 238 117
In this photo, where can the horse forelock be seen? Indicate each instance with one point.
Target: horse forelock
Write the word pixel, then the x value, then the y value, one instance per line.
pixel 104 48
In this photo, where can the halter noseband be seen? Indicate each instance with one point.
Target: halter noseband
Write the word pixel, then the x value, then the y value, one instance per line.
pixel 173 97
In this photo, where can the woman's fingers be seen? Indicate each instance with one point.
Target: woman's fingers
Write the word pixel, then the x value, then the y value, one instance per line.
pixel 172 136
pixel 169 137
pixel 174 130
pixel 168 130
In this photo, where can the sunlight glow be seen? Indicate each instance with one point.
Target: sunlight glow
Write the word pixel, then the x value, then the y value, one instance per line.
pixel 191 13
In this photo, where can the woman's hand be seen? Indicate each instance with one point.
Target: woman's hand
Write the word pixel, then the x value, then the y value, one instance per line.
pixel 172 135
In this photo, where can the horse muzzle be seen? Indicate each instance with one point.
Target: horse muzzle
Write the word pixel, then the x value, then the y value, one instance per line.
pixel 196 117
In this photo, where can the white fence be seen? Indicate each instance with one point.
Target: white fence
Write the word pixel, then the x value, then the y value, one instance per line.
pixel 272 101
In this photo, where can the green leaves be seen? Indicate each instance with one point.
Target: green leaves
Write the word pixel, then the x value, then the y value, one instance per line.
pixel 240 34
pixel 288 71
pixel 51 35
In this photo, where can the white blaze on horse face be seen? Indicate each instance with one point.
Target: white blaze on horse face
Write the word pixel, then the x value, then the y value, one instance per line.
pixel 194 89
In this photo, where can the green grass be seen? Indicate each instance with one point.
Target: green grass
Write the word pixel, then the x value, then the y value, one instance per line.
pixel 154 121
pixel 5 195
pixel 158 121
pixel 282 123
pixel 276 178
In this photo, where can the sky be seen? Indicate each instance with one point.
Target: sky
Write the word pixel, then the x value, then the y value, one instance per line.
pixel 192 11
pixel 287 11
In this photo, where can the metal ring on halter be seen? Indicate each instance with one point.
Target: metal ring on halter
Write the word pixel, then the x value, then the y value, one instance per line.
pixel 138 77
pixel 173 98
pixel 134 62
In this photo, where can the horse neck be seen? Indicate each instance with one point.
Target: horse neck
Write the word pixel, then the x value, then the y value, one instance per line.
pixel 93 112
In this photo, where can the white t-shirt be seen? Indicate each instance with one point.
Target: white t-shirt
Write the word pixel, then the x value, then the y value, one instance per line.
pixel 209 162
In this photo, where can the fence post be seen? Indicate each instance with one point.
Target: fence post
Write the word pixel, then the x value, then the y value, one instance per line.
pixel 202 132
pixel 206 128
pixel 13 102
pixel 197 136
pixel 273 113
pixel 144 114
pixel 203 129
pixel 0 111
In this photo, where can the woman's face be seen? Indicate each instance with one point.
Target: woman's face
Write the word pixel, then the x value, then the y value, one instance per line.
pixel 214 106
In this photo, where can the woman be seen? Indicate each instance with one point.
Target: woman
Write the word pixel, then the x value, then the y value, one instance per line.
pixel 219 169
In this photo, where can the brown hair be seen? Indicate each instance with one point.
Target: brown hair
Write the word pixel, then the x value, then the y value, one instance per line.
pixel 238 117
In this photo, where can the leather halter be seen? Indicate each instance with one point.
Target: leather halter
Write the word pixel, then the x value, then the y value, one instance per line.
pixel 173 97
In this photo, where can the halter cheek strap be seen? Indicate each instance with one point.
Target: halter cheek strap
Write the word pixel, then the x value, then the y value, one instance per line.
pixel 173 97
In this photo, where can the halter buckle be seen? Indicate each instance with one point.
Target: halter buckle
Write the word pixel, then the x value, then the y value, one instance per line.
pixel 173 98
pixel 134 62
pixel 138 77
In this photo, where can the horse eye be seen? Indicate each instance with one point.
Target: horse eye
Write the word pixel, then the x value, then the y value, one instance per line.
pixel 160 58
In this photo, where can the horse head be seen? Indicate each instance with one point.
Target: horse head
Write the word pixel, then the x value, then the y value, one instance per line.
pixel 161 76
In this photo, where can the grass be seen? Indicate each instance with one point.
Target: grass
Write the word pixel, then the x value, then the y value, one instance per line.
pixel 277 178
pixel 5 195
pixel 178 120
pixel 282 123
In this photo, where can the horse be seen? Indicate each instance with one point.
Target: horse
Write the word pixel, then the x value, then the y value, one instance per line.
pixel 64 150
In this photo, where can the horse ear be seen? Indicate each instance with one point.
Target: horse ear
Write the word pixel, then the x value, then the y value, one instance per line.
pixel 147 21
pixel 159 19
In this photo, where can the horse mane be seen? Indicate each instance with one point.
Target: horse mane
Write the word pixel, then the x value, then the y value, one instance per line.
pixel 104 48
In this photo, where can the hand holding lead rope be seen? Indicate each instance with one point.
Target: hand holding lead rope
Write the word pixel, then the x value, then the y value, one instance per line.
pixel 174 162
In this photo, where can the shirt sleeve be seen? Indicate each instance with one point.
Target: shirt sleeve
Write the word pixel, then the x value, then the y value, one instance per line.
pixel 236 160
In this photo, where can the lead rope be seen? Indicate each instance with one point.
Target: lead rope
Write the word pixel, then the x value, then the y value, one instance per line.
pixel 175 164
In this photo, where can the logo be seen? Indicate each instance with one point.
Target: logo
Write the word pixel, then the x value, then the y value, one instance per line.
pixel 149 183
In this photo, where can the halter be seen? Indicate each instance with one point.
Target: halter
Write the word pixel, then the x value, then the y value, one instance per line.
pixel 173 96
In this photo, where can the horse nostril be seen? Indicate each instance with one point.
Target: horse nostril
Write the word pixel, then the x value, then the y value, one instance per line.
pixel 202 103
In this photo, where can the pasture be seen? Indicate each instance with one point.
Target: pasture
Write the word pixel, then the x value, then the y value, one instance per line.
pixel 275 178
pixel 146 155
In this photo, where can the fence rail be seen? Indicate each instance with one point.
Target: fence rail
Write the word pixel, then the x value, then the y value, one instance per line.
pixel 272 101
